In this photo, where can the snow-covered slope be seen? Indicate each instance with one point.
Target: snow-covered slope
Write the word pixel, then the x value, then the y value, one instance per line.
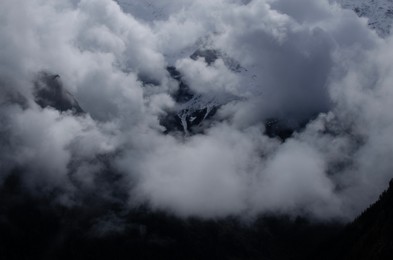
pixel 192 109
pixel 378 12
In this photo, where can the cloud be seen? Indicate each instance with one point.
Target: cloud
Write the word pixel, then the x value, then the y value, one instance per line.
pixel 313 66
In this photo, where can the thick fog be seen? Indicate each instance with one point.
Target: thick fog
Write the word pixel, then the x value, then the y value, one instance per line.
pixel 308 63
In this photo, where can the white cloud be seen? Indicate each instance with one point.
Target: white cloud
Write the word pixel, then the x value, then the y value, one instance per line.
pixel 303 60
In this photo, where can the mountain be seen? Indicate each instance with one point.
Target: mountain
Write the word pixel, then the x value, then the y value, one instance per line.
pixel 378 12
pixel 191 109
pixel 105 226
pixel 194 112
pixel 369 236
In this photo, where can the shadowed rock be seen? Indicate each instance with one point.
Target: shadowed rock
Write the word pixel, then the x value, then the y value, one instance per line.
pixel 50 92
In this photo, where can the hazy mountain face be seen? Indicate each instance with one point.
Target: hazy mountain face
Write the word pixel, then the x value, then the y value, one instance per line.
pixel 199 108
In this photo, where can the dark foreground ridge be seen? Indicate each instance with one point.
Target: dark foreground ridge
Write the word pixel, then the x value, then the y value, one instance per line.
pixel 370 236
pixel 34 227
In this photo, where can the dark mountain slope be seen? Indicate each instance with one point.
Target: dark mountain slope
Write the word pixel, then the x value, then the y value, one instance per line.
pixel 370 236
pixel 50 92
